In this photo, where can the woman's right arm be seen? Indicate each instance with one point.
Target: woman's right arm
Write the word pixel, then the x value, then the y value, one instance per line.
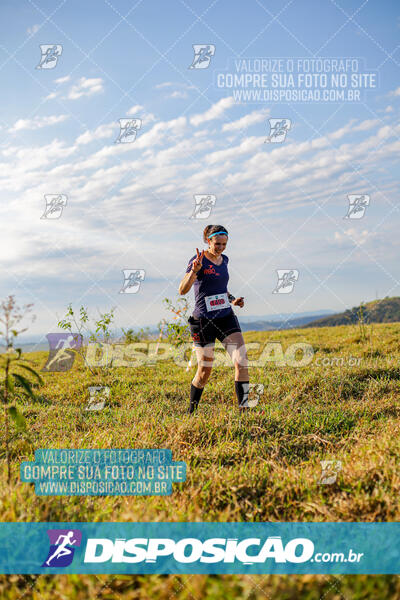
pixel 187 282
pixel 190 277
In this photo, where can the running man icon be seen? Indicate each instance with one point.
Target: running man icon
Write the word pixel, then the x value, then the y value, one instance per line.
pixel 202 56
pixel 62 351
pixel 357 206
pixel 54 206
pixel 63 545
pixel 62 549
pixel 286 280
pixel 50 53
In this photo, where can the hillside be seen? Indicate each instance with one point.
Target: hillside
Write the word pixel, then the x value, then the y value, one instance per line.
pixel 294 323
pixel 260 466
pixel 386 310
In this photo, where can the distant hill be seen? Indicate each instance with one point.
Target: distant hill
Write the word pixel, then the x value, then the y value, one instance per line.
pixel 261 325
pixel 316 314
pixel 386 310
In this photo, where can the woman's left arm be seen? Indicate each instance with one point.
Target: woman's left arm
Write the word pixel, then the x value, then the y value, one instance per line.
pixel 236 301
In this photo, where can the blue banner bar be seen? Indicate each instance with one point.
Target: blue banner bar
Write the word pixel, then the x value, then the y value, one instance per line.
pixel 218 548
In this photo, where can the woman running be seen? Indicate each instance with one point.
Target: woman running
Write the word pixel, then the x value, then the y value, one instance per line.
pixel 213 316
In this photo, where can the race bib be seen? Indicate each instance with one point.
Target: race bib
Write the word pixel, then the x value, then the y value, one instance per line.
pixel 217 302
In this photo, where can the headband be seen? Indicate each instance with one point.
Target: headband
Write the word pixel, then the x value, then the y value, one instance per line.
pixel 218 233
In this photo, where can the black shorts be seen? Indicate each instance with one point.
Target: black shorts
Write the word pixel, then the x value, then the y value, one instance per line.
pixel 204 330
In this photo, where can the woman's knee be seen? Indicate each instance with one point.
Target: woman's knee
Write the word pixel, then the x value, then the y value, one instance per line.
pixel 203 373
pixel 240 360
pixel 241 365
pixel 241 371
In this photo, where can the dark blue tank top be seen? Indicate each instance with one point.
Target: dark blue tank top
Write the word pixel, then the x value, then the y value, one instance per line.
pixel 211 279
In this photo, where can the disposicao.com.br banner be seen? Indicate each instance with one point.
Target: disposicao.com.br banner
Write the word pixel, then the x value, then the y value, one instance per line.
pixel 217 548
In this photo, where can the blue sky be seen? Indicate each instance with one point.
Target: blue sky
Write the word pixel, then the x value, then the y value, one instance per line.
pixel 128 205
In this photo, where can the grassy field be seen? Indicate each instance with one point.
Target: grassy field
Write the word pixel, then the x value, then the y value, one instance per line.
pixel 263 465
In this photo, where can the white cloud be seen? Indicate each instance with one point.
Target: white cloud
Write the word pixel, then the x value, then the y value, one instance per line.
pixel 350 127
pixel 61 80
pixel 149 118
pixel 335 135
pixel 367 124
pixel 34 29
pixel 134 109
pixel 52 96
pixel 37 122
pixel 389 109
pixel 178 94
pixel 254 117
pixel 29 166
pixel 103 131
pixel 160 132
pixel 163 85
pixel 85 87
pixel 138 112
pixel 180 91
pixel 395 92
pixel 175 84
pixel 215 112
pixel 358 237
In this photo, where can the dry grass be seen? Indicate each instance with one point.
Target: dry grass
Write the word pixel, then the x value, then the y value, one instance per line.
pixel 261 466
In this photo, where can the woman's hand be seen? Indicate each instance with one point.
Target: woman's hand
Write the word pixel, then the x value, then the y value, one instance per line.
pixel 238 301
pixel 198 262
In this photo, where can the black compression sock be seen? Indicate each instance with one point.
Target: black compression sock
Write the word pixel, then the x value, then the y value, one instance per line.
pixel 195 395
pixel 242 392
